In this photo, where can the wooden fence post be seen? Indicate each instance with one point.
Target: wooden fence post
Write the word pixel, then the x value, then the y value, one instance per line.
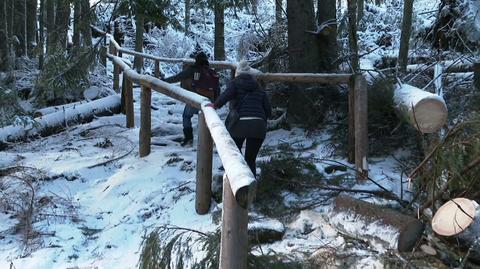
pixel 234 238
pixel 232 73
pixel 203 193
pixel 145 121
pixel 129 103
pixel 157 68
pixel 116 69
pixel 103 55
pixel 122 94
pixel 476 75
pixel 351 120
pixel 361 127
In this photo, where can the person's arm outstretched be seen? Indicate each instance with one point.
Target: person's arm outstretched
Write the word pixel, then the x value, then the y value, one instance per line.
pixel 185 74
pixel 226 96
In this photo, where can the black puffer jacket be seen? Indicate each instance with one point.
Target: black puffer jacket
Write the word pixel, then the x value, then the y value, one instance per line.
pixel 247 97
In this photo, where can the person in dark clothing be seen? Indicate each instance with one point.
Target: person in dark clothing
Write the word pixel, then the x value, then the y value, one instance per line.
pixel 253 106
pixel 187 77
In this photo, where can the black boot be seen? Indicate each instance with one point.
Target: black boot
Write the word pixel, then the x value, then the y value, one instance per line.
pixel 188 136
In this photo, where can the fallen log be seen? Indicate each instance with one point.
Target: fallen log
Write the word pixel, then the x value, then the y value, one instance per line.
pixel 425 111
pixel 52 109
pixel 57 121
pixel 375 224
pixel 458 218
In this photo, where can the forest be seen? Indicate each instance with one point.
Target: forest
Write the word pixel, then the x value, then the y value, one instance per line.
pixel 239 134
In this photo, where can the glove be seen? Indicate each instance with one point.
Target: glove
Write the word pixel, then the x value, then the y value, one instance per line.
pixel 211 105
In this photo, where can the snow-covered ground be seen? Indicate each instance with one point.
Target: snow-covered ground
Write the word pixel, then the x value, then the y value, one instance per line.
pixel 107 210
pixel 117 203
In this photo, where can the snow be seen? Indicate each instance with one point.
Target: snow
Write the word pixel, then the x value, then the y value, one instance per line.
pixel 129 197
pixel 408 96
pixel 380 236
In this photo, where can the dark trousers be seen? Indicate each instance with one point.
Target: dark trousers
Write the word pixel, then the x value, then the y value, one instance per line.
pixel 252 148
pixel 188 113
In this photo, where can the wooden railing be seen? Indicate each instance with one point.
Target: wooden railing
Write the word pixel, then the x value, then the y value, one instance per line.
pixel 238 183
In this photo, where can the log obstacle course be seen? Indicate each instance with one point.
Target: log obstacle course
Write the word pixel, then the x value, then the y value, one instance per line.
pixel 239 183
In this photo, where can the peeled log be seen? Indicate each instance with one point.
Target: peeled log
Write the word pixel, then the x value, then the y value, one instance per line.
pixel 426 111
pixel 52 109
pixel 375 224
pixel 57 121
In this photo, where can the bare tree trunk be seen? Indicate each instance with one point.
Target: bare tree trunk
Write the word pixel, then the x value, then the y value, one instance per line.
pixel 10 12
pixel 77 9
pixel 4 45
pixel 278 10
pixel 219 47
pixel 405 39
pixel 50 21
pixel 86 19
pixel 302 47
pixel 302 55
pixel 187 16
pixel 41 42
pixel 20 26
pixel 31 26
pixel 352 30
pixel 360 10
pixel 327 35
pixel 139 20
pixel 62 21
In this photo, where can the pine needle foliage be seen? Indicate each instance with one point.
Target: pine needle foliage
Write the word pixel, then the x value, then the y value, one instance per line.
pixel 64 76
pixel 8 105
pixel 284 173
pixel 454 163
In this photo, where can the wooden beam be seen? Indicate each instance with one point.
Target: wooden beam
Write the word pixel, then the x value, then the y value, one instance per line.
pixel 103 56
pixel 188 97
pixel 124 85
pixel 437 76
pixel 351 120
pixel 361 127
pixel 116 78
pixel 305 77
pixel 129 103
pixel 234 237
pixel 476 76
pixel 203 193
pixel 157 69
pixel 145 121
pixel 242 180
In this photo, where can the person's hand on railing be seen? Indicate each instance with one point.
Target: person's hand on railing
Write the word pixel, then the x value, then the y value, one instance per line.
pixel 211 105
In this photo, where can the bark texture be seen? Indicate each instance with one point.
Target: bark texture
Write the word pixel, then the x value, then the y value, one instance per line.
pixel 62 21
pixel 352 32
pixel 405 38
pixel 327 34
pixel 20 27
pixel 50 21
pixel 139 21
pixel 31 26
pixel 219 48
pixel 4 46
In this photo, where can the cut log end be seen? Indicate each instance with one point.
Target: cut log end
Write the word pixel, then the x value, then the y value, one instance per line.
pixel 430 115
pixel 245 195
pixel 425 111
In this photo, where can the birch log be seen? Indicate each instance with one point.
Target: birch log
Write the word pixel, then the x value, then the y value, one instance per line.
pixel 425 111
pixel 57 121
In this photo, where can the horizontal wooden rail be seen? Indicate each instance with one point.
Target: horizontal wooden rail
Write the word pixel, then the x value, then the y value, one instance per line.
pixel 214 64
pixel 241 178
pixel 242 181
pixel 158 85
pixel 305 77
